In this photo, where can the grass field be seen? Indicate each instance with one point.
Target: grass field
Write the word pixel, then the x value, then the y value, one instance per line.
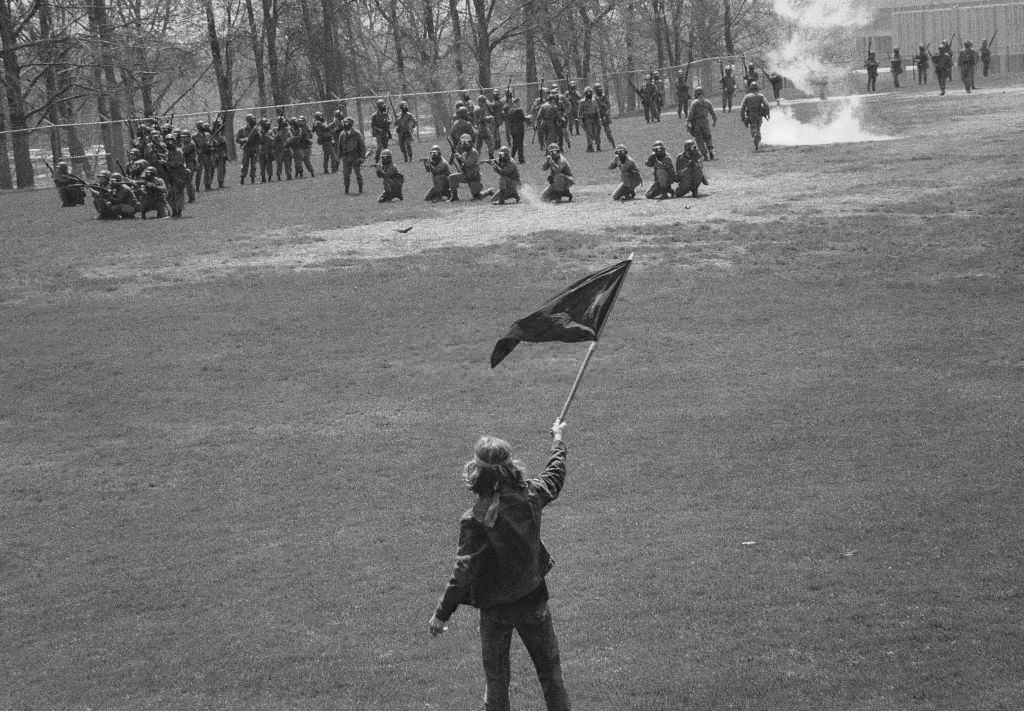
pixel 229 444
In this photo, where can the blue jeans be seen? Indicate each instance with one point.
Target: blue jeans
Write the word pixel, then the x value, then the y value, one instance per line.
pixel 533 623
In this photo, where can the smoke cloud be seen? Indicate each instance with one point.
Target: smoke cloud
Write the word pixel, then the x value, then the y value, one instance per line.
pixel 839 122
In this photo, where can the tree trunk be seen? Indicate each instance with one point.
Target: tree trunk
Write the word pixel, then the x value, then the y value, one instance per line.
pixel 483 43
pixel 256 42
pixel 222 70
pixel 15 100
pixel 6 183
pixel 460 72
pixel 106 82
pixel 47 53
pixel 270 23
pixel 727 26
pixel 530 45
pixel 399 52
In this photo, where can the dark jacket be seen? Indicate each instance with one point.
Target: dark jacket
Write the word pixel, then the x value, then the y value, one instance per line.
pixel 504 560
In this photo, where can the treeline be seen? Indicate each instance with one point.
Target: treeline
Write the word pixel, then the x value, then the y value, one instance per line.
pixel 66 62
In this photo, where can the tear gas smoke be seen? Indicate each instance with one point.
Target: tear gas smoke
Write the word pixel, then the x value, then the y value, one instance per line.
pixel 839 122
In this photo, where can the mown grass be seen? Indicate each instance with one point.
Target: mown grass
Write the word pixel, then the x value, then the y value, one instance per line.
pixel 794 461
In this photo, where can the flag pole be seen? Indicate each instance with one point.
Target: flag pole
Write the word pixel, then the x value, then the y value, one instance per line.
pixel 590 351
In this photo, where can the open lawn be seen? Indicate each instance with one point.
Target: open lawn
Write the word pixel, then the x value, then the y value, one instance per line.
pixel 229 444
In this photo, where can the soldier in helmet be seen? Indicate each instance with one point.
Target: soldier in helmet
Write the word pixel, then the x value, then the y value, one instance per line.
pixel 508 177
pixel 921 61
pixel 753 111
pixel 178 176
pixel 699 121
pixel 664 172
pixel 871 66
pixel 219 151
pixel 268 150
pixel 966 61
pixel 136 164
pixel 153 194
pixel 895 67
pixel 590 114
pixel 204 171
pixel 191 152
pixel 648 99
pixel 515 123
pixel 986 56
pixel 728 82
pixel 689 170
pixel 467 166
pixel 119 202
pixel 439 171
pixel 380 128
pixel 549 120
pixel 573 117
pixel 463 123
pixel 302 146
pixel 682 94
pixel 249 139
pixel 393 180
pixel 70 187
pixel 325 139
pixel 352 148
pixel 605 105
pixel 560 178
pixel 405 124
pixel 943 62
pixel 630 173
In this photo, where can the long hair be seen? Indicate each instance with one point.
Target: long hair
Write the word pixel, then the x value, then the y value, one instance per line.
pixel 492 467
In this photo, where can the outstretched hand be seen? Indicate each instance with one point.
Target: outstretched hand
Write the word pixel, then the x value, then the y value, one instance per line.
pixel 437 627
pixel 556 429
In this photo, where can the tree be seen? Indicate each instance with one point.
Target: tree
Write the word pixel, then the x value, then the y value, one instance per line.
pixel 10 30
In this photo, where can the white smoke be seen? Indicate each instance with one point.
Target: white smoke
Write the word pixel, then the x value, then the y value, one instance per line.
pixel 839 122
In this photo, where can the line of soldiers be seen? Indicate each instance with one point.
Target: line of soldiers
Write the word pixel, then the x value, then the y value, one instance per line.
pixel 966 61
pixel 686 172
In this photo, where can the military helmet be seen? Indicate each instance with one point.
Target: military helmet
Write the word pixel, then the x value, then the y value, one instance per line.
pixel 553 147
pixel 185 133
pixel 62 167
pixel 754 86
pixel 689 143
pixel 588 90
pixel 620 149
pixel 318 115
pixel 134 152
pixel 504 149
pixel 967 43
pixel 386 153
pixel 465 138
pixel 462 111
pixel 380 103
pixel 170 138
pixel 206 126
pixel 150 171
pixel 435 148
pixel 572 83
pixel 657 145
pixel 103 174
pixel 250 117
pixel 337 112
pixel 698 91
pixel 116 177
pixel 403 104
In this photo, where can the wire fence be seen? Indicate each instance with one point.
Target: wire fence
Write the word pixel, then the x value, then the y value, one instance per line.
pixel 101 145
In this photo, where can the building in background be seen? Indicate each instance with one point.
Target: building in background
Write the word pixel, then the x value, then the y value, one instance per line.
pixel 903 24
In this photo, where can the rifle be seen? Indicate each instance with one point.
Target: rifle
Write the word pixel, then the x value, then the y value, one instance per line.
pixel 450 143
pixel 869 45
pixel 508 88
pixel 633 87
pixel 721 67
pixel 120 167
pixel 993 40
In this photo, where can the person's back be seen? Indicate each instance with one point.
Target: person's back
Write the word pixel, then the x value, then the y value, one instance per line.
pixel 501 564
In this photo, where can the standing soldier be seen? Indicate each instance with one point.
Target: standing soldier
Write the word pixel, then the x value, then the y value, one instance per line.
pixel 559 176
pixel 549 120
pixel 467 163
pixel 204 171
pixel 728 82
pixel 393 180
pixel 70 187
pixel 689 171
pixel 573 117
pixel 484 122
pixel 462 124
pixel 325 139
pixel 749 76
pixel 248 137
pixel 283 148
pixel 508 177
pixel 590 114
pixel 921 62
pixel 380 128
pixel 648 98
pixel 154 194
pixel 967 60
pixel 986 57
pixel 405 124
pixel 630 173
pixel 871 65
pixel 699 121
pixel 605 105
pixel 943 62
pixel 515 123
pixel 777 81
pixel 336 125
pixel 439 171
pixel 219 151
pixel 896 67
pixel 753 111
pixel 302 147
pixel 191 152
pixel 664 172
pixel 682 95
pixel 267 151
pixel 352 148
pixel 659 96
pixel 178 176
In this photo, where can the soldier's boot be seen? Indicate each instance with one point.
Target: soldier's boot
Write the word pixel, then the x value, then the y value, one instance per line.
pixel 359 182
pixel 454 197
pixel 346 187
pixel 711 153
